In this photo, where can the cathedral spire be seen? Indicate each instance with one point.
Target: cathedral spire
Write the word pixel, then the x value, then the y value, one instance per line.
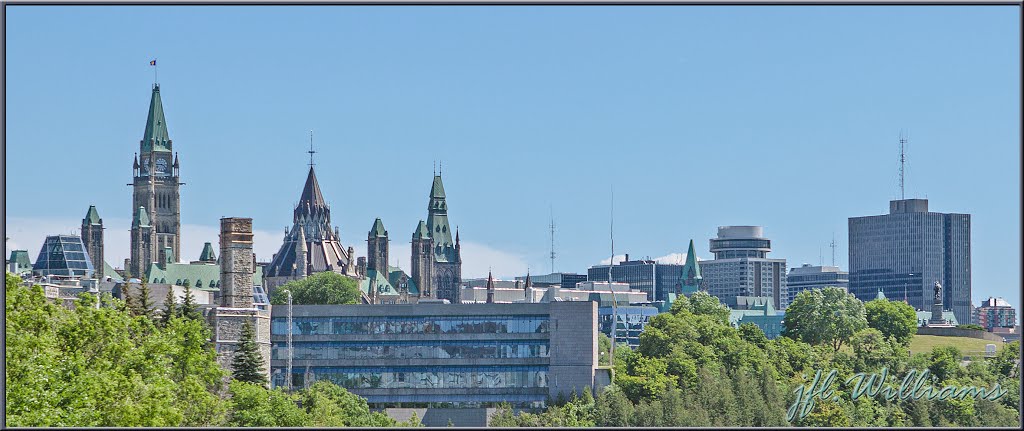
pixel 311 195
pixel 155 135
pixel 490 287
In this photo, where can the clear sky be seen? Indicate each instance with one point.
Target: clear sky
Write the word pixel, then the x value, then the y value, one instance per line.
pixel 785 117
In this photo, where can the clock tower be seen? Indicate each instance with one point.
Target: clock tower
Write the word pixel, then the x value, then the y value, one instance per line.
pixel 155 189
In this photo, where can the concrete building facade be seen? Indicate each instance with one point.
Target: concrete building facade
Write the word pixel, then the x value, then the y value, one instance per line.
pixel 905 252
pixel 441 355
pixel 741 266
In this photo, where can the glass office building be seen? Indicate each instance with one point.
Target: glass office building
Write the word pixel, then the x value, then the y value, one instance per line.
pixel 63 255
pixel 655 279
pixel 629 324
pixel 440 355
pixel 809 277
pixel 904 252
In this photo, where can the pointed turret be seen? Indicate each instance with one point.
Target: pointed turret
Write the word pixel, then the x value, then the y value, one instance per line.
pixel 421 231
pixel 141 218
pixel 490 288
pixel 529 283
pixel 300 252
pixel 91 217
pixel 156 136
pixel 377 231
pixel 175 160
pixel 207 255
pixel 135 165
pixel 437 189
pixel 691 278
pixel 311 195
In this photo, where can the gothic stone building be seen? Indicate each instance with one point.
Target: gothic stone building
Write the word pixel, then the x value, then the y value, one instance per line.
pixel 156 209
pixel 436 259
pixel 310 246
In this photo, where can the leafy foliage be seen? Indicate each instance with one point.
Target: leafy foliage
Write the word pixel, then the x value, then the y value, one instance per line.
pixel 320 288
pixel 894 319
pixel 824 316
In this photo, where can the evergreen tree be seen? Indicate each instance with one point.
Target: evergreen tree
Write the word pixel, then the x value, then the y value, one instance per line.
pixel 248 362
pixel 145 303
pixel 129 301
pixel 170 308
pixel 189 309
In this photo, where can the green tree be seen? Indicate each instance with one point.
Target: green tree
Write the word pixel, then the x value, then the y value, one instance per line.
pixel 604 348
pixel 320 288
pixel 248 362
pixel 894 319
pixel 753 334
pixel 145 302
pixel 329 405
pixel 189 309
pixel 170 308
pixel 253 405
pixel 872 351
pixel 824 316
pixel 612 408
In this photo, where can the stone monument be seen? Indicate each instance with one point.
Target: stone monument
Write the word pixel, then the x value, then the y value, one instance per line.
pixel 936 319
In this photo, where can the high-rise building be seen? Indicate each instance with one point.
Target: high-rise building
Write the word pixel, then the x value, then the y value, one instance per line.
pixel 905 252
pixel 655 279
pixel 155 194
pixel 809 277
pixel 995 313
pixel 741 266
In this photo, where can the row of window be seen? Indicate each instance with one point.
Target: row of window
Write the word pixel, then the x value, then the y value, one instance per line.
pixel 414 350
pixel 419 378
pixel 412 325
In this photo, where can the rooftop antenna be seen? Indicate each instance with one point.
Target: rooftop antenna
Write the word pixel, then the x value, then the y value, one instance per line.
pixel 819 256
pixel 552 226
pixel 833 245
pixel 615 313
pixel 903 159
pixel 311 152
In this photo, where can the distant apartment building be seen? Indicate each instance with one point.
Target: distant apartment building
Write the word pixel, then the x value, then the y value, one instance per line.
pixel 995 313
pixel 655 279
pixel 809 277
pixel 430 354
pixel 905 252
pixel 741 266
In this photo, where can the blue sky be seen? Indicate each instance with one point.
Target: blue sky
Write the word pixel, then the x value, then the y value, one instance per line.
pixel 785 117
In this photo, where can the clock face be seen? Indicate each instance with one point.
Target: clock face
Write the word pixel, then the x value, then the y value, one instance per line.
pixel 145 165
pixel 161 166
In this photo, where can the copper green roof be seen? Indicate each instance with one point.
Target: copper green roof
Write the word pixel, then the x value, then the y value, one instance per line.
pixel 21 258
pixel 207 255
pixel 691 271
pixel 377 231
pixel 199 275
pixel 384 286
pixel 91 217
pixel 437 189
pixel 141 218
pixel 155 136
pixel 108 271
pixel 421 231
pixel 395 276
pixel 880 295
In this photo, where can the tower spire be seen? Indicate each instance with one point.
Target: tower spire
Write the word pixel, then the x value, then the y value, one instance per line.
pixel 155 137
pixel 311 151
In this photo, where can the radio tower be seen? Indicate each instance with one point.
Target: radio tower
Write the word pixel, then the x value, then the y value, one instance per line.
pixel 552 226
pixel 833 245
pixel 903 159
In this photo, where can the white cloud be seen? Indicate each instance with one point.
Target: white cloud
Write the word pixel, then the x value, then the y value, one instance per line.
pixel 671 258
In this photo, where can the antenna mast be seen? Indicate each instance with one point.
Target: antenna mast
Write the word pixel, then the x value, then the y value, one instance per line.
pixel 311 149
pixel 615 302
pixel 903 159
pixel 833 245
pixel 552 226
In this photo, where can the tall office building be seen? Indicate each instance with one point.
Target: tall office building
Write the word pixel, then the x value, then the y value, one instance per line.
pixel 655 279
pixel 809 277
pixel 741 266
pixel 905 252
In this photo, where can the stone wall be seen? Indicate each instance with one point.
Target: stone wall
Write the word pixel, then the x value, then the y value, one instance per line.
pixel 959 332
pixel 573 347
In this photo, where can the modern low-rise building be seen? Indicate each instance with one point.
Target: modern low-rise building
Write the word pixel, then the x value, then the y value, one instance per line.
pixel 808 277
pixel 440 355
pixel 655 279
pixel 630 321
pixel 565 280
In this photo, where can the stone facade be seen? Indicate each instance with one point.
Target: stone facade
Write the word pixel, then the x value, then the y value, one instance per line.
pixel 436 259
pixel 155 187
pixel 238 265
pixel 92 239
